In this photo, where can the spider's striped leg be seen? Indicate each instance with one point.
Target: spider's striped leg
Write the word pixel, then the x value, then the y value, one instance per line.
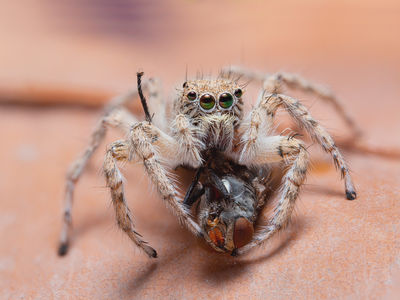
pixel 268 107
pixel 117 117
pixel 120 151
pixel 274 83
pixel 275 149
pixel 152 146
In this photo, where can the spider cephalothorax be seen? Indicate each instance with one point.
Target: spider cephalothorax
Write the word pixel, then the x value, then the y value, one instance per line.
pixel 206 132
pixel 214 108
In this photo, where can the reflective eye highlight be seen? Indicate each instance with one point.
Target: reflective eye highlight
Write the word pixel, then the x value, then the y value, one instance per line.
pixel 238 93
pixel 192 95
pixel 207 101
pixel 225 100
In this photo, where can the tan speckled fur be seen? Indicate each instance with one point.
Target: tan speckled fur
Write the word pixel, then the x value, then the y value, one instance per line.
pixel 160 145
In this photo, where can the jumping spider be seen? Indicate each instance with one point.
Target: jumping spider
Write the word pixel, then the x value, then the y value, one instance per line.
pixel 231 154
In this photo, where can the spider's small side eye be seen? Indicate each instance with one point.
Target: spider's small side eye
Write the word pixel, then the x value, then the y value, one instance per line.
pixel 238 93
pixel 225 100
pixel 185 84
pixel 207 101
pixel 192 95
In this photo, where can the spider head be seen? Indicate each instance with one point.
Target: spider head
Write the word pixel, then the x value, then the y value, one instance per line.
pixel 214 107
pixel 203 96
pixel 226 214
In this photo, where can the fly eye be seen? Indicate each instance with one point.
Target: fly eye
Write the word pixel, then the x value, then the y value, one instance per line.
pixel 225 100
pixel 243 232
pixel 207 101
pixel 192 95
pixel 238 93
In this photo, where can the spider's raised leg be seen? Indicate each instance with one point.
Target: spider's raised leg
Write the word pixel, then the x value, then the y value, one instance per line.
pixel 120 150
pixel 273 83
pixel 275 149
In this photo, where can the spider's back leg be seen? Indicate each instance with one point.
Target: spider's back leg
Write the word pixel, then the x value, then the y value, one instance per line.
pixel 118 117
pixel 268 107
pixel 274 83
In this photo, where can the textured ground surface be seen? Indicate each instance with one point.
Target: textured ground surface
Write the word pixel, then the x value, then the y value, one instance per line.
pixel 334 249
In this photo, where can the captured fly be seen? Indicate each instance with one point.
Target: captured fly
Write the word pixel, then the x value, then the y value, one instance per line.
pixel 227 198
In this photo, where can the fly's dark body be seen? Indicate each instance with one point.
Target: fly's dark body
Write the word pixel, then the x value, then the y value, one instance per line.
pixel 227 198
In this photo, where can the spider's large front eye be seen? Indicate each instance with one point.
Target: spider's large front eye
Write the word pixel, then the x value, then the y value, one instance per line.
pixel 238 93
pixel 192 95
pixel 207 101
pixel 225 100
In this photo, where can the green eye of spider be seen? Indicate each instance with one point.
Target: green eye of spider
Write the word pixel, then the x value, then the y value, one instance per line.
pixel 225 100
pixel 207 101
pixel 192 95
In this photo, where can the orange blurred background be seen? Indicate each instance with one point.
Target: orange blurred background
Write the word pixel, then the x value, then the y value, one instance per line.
pixel 99 44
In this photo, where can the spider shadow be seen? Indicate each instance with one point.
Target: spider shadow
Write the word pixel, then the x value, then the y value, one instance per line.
pixel 214 267
pixel 135 284
pixel 84 226
pixel 219 269
pixel 323 190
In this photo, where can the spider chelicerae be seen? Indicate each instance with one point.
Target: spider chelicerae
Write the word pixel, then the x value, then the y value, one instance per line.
pixel 207 131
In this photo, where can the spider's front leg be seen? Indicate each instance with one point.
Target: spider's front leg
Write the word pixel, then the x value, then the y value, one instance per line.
pixel 116 116
pixel 150 145
pixel 275 149
pixel 153 146
pixel 120 151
